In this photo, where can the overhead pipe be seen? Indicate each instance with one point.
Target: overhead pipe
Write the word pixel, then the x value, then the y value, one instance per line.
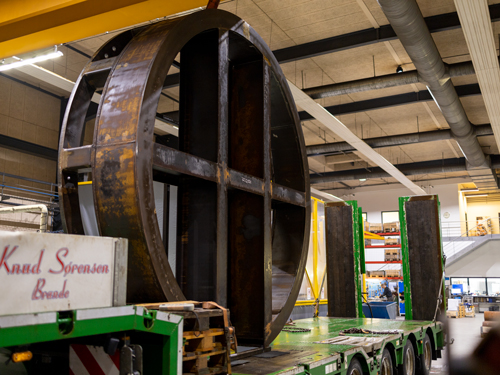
pixel 408 169
pixel 393 140
pixel 44 213
pixel 382 82
pixel 408 23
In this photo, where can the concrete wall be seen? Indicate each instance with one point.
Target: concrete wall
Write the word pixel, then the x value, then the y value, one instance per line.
pixel 482 262
pixel 373 203
pixel 32 116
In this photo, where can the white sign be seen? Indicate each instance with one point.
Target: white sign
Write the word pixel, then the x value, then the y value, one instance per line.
pixel 42 272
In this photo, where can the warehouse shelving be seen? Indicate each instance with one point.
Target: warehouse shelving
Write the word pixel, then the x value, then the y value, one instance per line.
pixel 388 234
pixel 381 246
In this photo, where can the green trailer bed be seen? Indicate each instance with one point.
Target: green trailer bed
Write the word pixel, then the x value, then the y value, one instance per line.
pixel 159 333
pixel 322 350
pixel 317 346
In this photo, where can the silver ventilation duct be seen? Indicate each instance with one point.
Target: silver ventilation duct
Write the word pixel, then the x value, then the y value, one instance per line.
pixel 408 23
pixel 382 82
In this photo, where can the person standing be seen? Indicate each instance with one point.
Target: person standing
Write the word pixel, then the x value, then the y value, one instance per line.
pixel 386 292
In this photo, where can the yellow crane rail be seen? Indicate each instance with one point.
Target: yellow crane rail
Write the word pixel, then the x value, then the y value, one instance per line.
pixel 32 25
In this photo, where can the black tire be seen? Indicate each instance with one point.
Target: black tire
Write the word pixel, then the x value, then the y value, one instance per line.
pixel 386 365
pixel 409 365
pixel 425 359
pixel 355 368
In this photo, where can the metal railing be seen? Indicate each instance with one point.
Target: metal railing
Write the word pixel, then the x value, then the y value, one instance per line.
pixel 16 192
pixel 38 208
pixel 471 228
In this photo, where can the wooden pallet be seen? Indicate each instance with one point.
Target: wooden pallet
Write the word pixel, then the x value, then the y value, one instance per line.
pixel 460 313
pixel 471 313
pixel 207 337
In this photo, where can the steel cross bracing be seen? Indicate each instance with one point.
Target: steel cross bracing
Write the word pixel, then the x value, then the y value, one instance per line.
pixel 241 163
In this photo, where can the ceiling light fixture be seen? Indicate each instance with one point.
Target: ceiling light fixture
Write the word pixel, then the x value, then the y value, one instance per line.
pixel 399 69
pixel 362 179
pixel 476 196
pixel 469 190
pixel 33 60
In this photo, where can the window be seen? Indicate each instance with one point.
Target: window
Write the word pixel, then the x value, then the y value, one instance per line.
pixel 364 216
pixel 477 285
pixel 493 286
pixel 390 216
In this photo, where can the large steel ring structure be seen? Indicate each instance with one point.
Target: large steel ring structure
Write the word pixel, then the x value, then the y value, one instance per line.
pixel 243 216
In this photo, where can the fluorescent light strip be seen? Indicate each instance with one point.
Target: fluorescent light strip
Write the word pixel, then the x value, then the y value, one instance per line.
pixel 476 196
pixel 33 60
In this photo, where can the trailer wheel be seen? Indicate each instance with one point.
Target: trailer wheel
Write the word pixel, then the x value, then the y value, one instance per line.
pixel 408 359
pixel 355 368
pixel 386 367
pixel 424 367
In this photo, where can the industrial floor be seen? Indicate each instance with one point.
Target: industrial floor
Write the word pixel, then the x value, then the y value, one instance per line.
pixel 466 332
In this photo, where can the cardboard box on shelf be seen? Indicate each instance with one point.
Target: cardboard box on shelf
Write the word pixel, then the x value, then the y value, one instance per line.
pixel 375 227
pixel 392 255
pixel 375 273
pixel 391 227
pixel 393 273
pixel 366 226
pixel 368 242
pixel 391 241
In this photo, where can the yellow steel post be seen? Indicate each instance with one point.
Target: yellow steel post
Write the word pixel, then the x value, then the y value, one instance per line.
pixel 310 283
pixel 363 276
pixel 315 247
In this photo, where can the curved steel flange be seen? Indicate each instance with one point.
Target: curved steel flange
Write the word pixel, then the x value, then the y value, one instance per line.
pixel 241 168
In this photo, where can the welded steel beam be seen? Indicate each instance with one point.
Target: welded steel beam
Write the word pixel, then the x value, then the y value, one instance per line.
pixel 442 22
pixel 371 104
pixel 27 147
pixel 408 169
pixel 391 101
pixel 393 140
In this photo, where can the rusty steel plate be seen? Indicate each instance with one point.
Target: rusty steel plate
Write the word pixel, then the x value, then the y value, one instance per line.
pixel 243 206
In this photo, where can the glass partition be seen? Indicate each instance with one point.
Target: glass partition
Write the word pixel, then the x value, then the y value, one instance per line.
pixel 493 286
pixel 477 285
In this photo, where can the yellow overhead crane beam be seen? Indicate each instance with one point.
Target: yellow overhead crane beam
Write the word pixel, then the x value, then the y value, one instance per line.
pixel 30 25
